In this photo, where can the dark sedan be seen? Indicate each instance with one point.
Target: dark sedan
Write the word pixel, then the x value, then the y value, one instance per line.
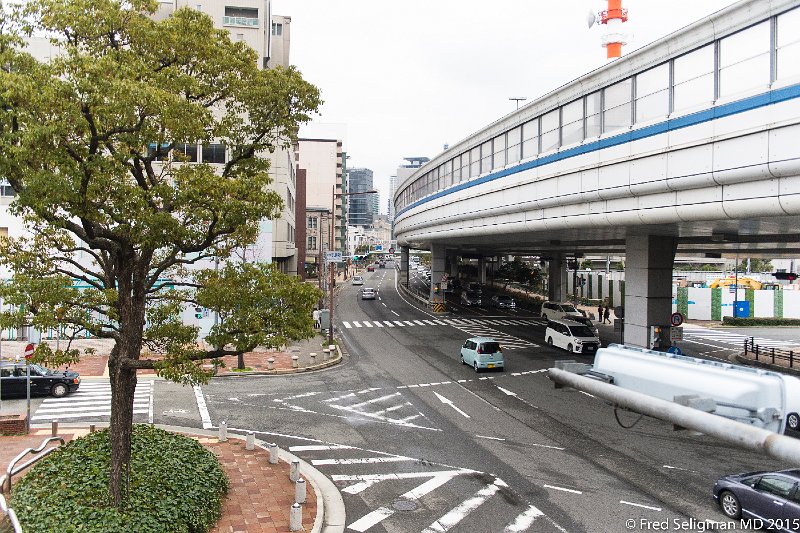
pixel 44 382
pixel 770 499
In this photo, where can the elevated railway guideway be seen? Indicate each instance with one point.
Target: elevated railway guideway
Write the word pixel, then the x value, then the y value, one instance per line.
pixel 688 145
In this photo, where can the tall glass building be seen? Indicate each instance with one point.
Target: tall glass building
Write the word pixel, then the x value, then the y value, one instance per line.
pixel 359 212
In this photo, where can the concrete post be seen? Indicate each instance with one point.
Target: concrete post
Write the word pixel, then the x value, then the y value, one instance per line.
pixel 648 285
pixel 294 470
pixel 54 428
pixel 313 358
pixel 452 270
pixel 295 364
pixel 300 491
pixel 251 441
pixel 273 453
pixel 325 353
pixel 557 281
pixel 270 363
pixel 437 297
pixel 223 431
pixel 296 518
pixel 91 428
pixel 482 270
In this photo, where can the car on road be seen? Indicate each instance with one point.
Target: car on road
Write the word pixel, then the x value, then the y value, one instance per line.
pixel 551 310
pixel 44 382
pixel 475 287
pixel 358 280
pixel 382 264
pixel 571 336
pixel 772 497
pixel 371 268
pixel 586 322
pixel 482 353
pixel 367 293
pixel 503 301
pixel 470 298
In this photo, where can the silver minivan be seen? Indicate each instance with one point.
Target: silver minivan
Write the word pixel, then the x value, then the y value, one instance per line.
pixel 482 353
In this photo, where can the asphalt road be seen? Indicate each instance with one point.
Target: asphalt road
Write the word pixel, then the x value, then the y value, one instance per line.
pixel 418 442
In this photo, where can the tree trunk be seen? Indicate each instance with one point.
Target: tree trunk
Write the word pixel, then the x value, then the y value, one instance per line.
pixel 123 385
pixel 240 361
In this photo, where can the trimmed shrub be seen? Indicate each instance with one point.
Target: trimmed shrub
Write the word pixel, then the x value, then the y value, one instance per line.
pixel 730 321
pixel 176 485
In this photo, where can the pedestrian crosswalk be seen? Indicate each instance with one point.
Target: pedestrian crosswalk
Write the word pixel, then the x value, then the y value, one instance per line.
pixel 474 327
pixel 92 403
pixel 735 339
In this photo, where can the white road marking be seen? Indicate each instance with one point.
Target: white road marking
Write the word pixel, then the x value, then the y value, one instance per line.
pixel 201 405
pixel 378 324
pixel 360 461
pixel 419 322
pixel 562 489
pixel 640 505
pixel 587 394
pixel 506 391
pixel 366 323
pixel 388 323
pixel 369 520
pixel 373 400
pixel 458 513
pixel 356 324
pixel 319 448
pixel 524 520
pixel 150 408
pixel 450 403
pixel 348 395
pixel 399 323
pixel 395 313
pixel 490 438
pixel 428 322
pixel 347 325
pixel 409 323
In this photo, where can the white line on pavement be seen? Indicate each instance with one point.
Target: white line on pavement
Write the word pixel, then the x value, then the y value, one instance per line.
pixel 360 461
pixel 366 323
pixel 356 324
pixel 507 392
pixel 458 513
pixel 347 325
pixel 319 448
pixel 640 505
pixel 395 313
pixel 201 405
pixel 369 520
pixel 488 437
pixel 524 520
pixel 562 489
pixel 450 403
pixel 388 323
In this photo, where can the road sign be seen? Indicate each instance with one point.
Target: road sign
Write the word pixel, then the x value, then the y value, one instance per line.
pixel 29 349
pixel 675 334
pixel 444 276
pixel 333 257
pixel 391 250
pixel 378 247
pixel 676 319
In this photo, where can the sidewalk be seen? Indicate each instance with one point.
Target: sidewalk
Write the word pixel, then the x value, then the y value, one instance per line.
pixel 260 495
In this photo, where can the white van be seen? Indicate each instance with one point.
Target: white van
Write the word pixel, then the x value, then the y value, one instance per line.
pixel 571 336
pixel 556 310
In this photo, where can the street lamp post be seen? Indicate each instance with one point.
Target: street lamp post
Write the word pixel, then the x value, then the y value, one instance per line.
pixel 333 247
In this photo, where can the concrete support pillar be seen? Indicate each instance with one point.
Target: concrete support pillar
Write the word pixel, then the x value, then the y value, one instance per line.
pixel 404 258
pixel 453 265
pixel 438 255
pixel 648 285
pixel 482 270
pixel 557 279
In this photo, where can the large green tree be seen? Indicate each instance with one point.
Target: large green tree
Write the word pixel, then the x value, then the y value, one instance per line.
pixel 92 143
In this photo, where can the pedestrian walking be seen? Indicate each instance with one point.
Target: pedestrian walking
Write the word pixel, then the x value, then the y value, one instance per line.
pixel 600 311
pixel 607 314
pixel 315 314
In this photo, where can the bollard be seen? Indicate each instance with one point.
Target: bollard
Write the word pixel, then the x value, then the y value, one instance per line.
pixel 294 361
pixel 325 353
pixel 313 358
pixel 294 470
pixel 270 363
pixel 55 428
pixel 223 431
pixel 251 441
pixel 332 348
pixel 300 491
pixel 296 518
pixel 91 428
pixel 273 453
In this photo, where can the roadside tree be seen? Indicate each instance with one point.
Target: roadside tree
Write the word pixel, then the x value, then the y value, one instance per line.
pixel 123 225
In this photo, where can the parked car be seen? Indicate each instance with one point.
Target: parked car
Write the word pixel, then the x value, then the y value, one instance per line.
pixel 773 497
pixel 586 322
pixel 358 280
pixel 44 382
pixel 571 336
pixel 470 298
pixel 482 353
pixel 367 293
pixel 504 301
pixel 371 268
pixel 551 310
pixel 475 287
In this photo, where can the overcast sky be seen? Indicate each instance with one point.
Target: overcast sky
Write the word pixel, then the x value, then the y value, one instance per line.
pixel 404 78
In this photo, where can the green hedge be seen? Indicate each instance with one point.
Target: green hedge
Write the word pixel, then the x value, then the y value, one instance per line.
pixel 176 485
pixel 730 321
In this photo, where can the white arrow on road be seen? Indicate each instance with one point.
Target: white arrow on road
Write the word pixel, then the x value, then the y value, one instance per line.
pixel 450 403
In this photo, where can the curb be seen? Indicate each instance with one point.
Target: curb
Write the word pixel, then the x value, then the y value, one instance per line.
pixel 766 366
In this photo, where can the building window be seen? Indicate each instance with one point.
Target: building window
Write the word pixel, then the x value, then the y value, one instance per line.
pixel 514 142
pixel 617 106
pixel 486 157
pixel 186 153
pixel 312 222
pixel 593 123
pixel 214 153
pixel 693 78
pixel 744 60
pixel 312 243
pixel 499 143
pixel 652 93
pixel 277 29
pixel 550 123
pixel 530 138
pixel 6 189
pixel 474 162
pixel 788 45
pixel 163 155
pixel 240 16
pixel 572 122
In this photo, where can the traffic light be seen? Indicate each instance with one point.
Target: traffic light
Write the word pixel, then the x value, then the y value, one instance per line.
pixel 198 312
pixel 789 276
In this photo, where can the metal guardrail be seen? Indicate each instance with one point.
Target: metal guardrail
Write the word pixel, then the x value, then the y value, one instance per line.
pixel 13 469
pixel 770 354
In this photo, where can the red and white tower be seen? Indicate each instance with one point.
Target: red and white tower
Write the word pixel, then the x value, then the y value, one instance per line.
pixel 613 38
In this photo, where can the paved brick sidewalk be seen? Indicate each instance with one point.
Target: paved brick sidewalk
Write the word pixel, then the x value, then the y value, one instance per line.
pixel 260 494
